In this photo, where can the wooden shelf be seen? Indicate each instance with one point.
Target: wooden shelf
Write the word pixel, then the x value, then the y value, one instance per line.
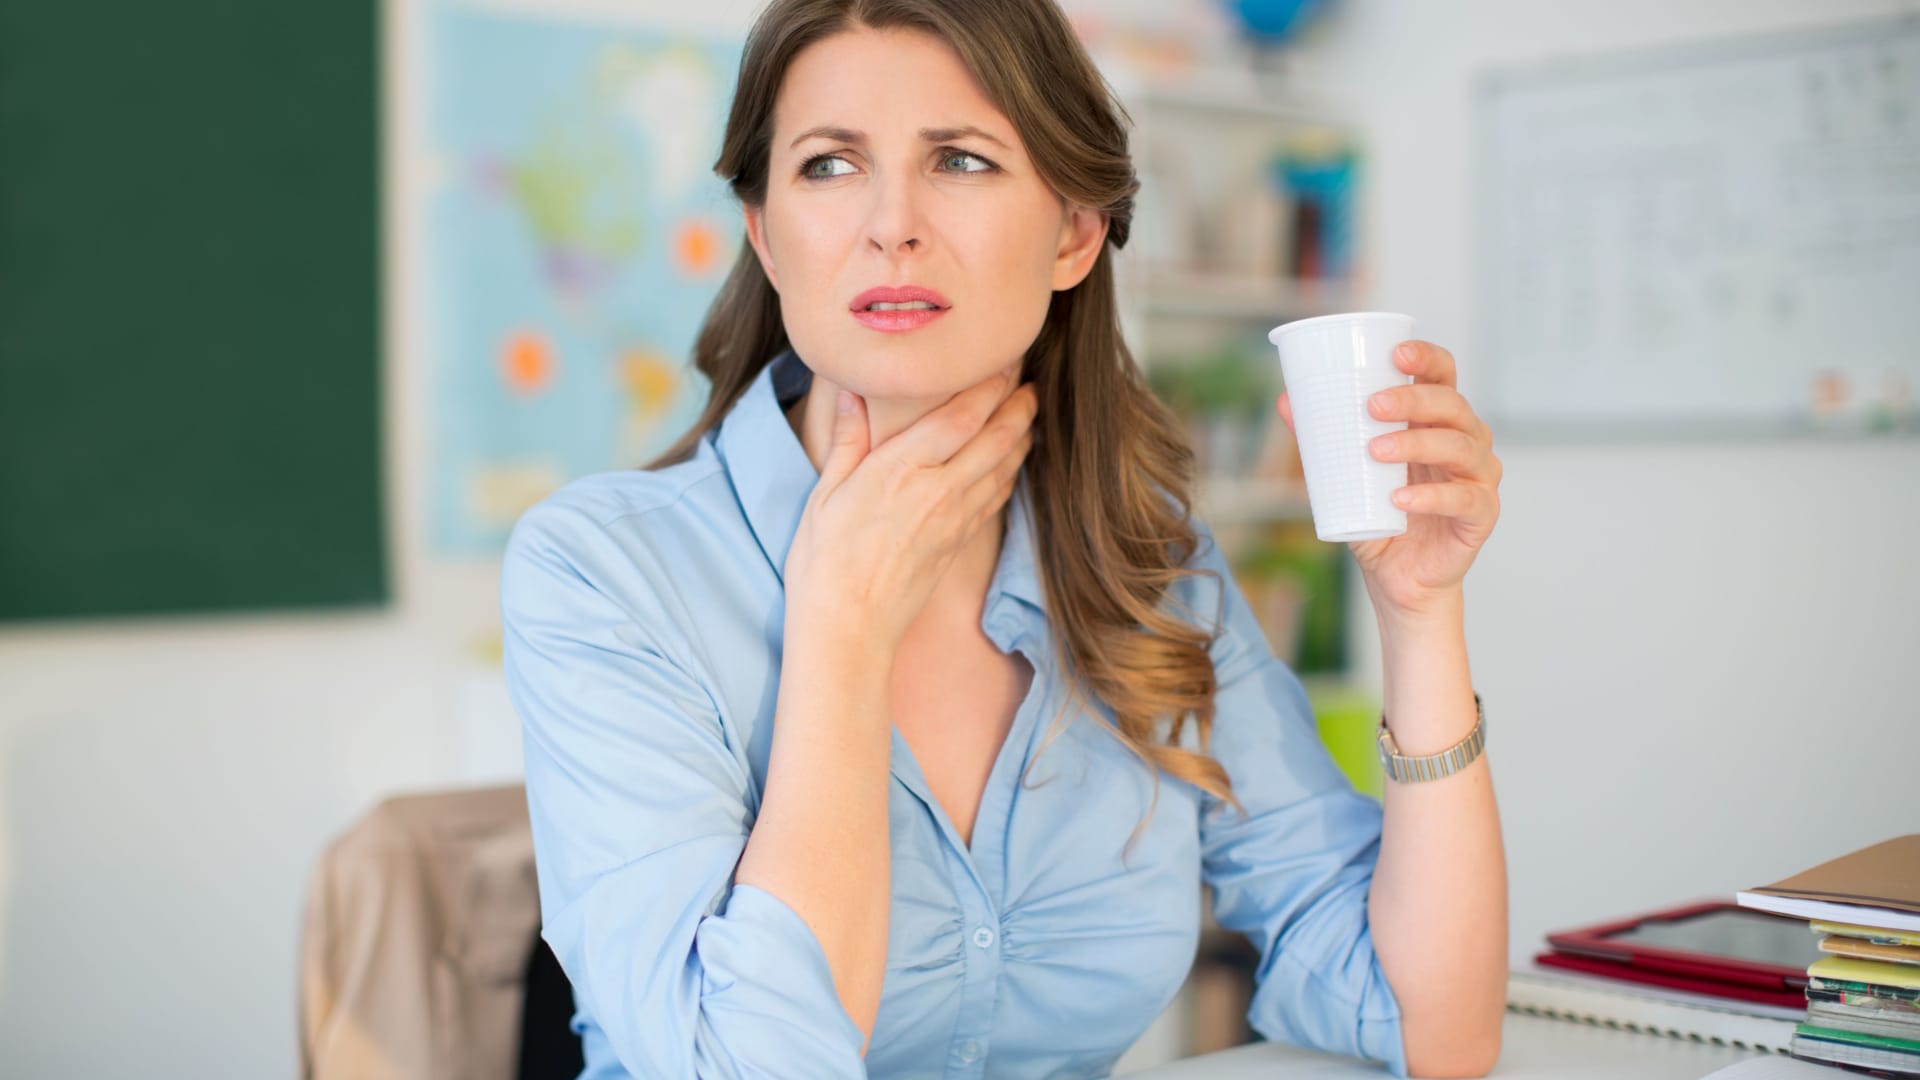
pixel 1236 296
pixel 1203 92
pixel 1223 502
pixel 1233 101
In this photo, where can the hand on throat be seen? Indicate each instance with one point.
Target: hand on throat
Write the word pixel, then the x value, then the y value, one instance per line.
pixel 960 597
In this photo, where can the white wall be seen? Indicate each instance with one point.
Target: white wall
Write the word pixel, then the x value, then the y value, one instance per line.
pixel 1645 618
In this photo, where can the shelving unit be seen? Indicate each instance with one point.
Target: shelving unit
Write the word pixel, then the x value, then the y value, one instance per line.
pixel 1207 270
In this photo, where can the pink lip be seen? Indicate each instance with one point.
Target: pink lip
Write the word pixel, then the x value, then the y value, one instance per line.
pixel 898 294
pixel 895 321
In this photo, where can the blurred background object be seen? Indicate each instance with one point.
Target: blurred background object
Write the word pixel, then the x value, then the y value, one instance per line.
pixel 298 310
pixel 1703 241
pixel 572 177
pixel 190 303
pixel 1274 21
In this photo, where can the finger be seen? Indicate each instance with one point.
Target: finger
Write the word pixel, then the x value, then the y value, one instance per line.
pixel 1454 499
pixel 1432 404
pixel 992 443
pixel 936 437
pixel 850 440
pixel 1286 410
pixel 1446 448
pixel 990 492
pixel 1426 362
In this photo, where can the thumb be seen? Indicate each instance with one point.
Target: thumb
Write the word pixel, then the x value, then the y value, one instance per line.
pixel 850 440
pixel 1285 405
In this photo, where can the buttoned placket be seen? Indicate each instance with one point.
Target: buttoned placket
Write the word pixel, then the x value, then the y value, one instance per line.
pixel 979 880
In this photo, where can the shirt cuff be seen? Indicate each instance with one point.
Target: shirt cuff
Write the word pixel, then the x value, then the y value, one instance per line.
pixel 1294 1004
pixel 1383 1039
pixel 798 1008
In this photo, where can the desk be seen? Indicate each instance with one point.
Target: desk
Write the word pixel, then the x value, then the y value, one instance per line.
pixel 1531 1048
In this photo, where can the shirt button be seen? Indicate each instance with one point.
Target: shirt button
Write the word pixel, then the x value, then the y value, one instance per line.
pixel 983 937
pixel 970 1051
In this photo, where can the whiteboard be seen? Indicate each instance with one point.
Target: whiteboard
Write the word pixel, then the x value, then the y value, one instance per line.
pixel 1712 239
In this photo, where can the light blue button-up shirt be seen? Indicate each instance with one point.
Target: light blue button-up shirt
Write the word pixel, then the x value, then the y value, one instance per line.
pixel 643 617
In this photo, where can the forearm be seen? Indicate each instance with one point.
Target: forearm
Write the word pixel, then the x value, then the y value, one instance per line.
pixel 820 842
pixel 1438 903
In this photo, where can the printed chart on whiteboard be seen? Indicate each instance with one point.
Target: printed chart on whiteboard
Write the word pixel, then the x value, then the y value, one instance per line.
pixel 1713 239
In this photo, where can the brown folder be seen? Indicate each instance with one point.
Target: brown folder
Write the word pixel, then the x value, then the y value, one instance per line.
pixel 1886 875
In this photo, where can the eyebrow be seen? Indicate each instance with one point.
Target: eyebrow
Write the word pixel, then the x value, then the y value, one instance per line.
pixel 859 138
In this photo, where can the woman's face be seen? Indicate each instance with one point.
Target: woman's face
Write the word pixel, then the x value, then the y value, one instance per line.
pixel 889 168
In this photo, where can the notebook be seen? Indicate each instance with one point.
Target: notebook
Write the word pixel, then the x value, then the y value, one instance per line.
pixel 1557 995
pixel 1854 1052
pixel 1876 934
pixel 1870 950
pixel 1876 886
pixel 1848 969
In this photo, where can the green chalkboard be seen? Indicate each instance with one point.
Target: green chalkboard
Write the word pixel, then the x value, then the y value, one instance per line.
pixel 189 307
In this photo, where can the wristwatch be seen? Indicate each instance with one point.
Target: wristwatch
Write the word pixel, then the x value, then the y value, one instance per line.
pixel 1403 769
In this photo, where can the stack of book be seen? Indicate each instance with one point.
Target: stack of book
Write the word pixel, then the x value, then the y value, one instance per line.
pixel 1863 994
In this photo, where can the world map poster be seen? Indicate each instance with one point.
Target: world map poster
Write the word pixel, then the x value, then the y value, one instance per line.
pixel 577 235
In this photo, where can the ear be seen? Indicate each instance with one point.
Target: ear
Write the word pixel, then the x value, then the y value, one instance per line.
pixel 1082 231
pixel 756 235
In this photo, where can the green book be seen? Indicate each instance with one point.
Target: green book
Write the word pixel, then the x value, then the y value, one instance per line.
pixel 1911 1046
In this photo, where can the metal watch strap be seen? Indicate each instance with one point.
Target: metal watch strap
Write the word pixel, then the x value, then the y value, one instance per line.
pixel 1403 769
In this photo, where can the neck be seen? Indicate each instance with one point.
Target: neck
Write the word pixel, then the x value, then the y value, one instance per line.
pixel 961 593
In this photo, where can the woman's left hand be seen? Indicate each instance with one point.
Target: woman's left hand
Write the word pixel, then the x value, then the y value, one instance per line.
pixel 1452 498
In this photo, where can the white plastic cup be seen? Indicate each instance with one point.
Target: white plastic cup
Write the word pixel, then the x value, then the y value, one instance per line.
pixel 1332 365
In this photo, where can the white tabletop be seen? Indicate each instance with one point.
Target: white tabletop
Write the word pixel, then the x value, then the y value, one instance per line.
pixel 1531 1048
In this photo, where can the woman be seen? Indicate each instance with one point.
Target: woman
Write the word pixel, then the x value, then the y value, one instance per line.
pixel 894 721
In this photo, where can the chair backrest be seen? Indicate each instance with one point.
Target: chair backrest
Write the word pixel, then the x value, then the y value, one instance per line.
pixel 415 951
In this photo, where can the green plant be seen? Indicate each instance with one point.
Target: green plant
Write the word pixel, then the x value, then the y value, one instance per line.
pixel 1226 382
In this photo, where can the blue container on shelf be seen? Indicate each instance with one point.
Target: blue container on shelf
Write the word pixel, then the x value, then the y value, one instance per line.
pixel 1274 21
pixel 1321 183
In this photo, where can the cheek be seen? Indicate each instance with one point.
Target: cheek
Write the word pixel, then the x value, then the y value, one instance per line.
pixel 805 245
pixel 1017 278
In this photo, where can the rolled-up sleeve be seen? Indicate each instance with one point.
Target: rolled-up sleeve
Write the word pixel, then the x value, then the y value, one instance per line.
pixel 1292 874
pixel 641 809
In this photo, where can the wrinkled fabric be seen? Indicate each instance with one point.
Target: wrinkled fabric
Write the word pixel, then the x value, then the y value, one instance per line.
pixel 414 940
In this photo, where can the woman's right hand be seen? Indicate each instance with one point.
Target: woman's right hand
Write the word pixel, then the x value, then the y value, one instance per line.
pixel 884 523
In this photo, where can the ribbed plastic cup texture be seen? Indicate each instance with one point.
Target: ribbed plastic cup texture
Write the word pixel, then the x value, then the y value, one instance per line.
pixel 1332 365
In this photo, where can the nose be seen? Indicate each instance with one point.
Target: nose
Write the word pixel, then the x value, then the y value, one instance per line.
pixel 894 223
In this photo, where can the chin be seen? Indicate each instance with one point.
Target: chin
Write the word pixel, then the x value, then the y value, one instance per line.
pixel 900 367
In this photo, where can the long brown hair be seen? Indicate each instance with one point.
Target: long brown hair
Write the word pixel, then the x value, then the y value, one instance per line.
pixel 1109 471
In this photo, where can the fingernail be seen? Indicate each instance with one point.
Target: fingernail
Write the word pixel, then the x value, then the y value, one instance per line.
pixel 1383 445
pixel 1407 353
pixel 845 403
pixel 1382 405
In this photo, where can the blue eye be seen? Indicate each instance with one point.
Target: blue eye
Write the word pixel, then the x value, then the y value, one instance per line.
pixel 950 154
pixel 947 154
pixel 807 171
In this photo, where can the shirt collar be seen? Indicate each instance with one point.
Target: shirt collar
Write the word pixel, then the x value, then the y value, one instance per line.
pixel 773 476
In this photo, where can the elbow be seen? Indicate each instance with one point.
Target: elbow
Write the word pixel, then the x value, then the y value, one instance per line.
pixel 1455 1053
pixel 1475 1062
pixel 1467 1059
